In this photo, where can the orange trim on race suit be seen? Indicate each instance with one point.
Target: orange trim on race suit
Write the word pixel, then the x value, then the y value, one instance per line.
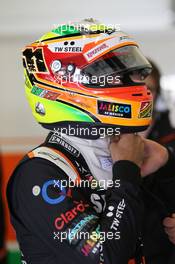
pixel 70 163
pixel 32 155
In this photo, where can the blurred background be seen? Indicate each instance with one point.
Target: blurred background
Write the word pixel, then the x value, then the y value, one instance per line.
pixel 151 22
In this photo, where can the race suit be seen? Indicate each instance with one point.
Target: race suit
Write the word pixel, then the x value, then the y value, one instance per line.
pixel 63 213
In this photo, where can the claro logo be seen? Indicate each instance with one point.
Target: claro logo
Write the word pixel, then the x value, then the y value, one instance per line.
pixel 69 215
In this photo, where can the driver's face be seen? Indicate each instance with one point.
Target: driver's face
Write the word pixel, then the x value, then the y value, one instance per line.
pixel 152 86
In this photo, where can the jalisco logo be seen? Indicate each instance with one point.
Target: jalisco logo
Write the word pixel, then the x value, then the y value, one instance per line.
pixel 69 215
pixel 92 244
pixel 114 109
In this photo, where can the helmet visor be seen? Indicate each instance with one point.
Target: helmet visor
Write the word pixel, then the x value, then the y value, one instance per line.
pixel 120 67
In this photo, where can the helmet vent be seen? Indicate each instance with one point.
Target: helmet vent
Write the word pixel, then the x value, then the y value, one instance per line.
pixel 137 94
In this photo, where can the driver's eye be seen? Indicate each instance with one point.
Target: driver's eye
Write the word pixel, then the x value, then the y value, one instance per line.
pixel 137 76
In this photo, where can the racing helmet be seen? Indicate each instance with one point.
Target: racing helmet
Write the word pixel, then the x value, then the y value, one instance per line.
pixel 88 75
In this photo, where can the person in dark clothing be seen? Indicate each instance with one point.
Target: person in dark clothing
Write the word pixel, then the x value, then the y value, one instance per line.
pixel 161 129
pixel 160 234
pixel 80 198
pixel 51 220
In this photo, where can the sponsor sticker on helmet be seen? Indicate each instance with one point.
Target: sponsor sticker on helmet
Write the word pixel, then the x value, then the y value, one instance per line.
pixel 114 109
pixel 105 47
pixel 34 60
pixel 145 109
pixel 44 93
pixel 96 51
pixel 74 46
